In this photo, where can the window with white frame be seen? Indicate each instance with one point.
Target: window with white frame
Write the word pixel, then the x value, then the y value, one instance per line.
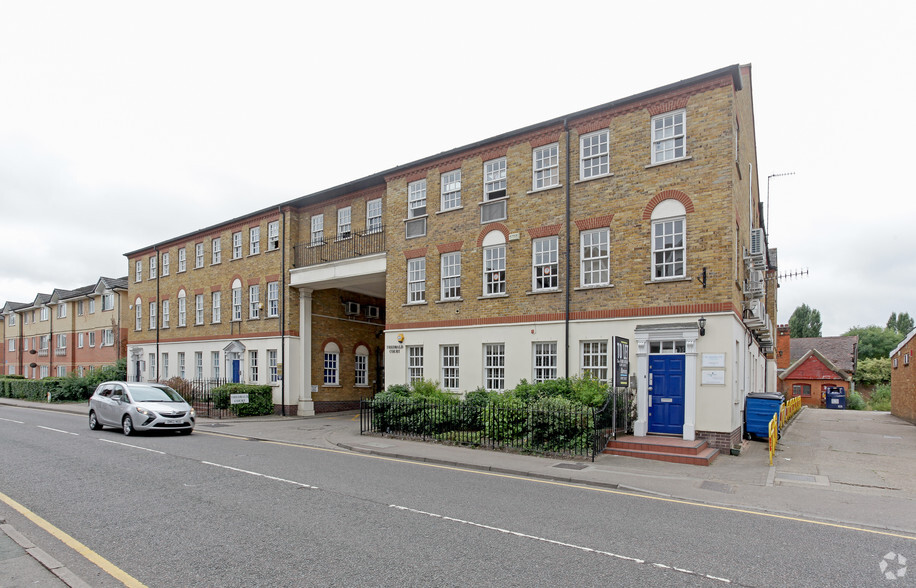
pixel 152 314
pixel 181 364
pixel 494 179
pixel 416 280
pixel 62 310
pixel 254 240
pixel 494 362
pixel 272 369
pixel 182 259
pixel 198 309
pixel 595 258
pixel 414 364
pixel 331 365
pixel 61 371
pixel 216 299
pixel 199 365
pixel 416 199
pixel 61 341
pixel 317 229
pixel 138 314
pixel 449 365
pixel 593 155
pixel 80 339
pixel 237 300
pixel 545 361
pixel 273 236
pixel 43 341
pixel 669 136
pixel 45 313
pixel 182 308
pixel 450 187
pixel 545 264
pixel 668 240
pixel 253 366
pixel 151 364
pixel 152 267
pixel 214 361
pixel 138 271
pixel 110 299
pixel 254 301
pixel 451 276
pixel 273 299
pixel 107 338
pixel 494 270
pixel 237 245
pixel 343 222
pixel 165 366
pixel 374 215
pixel 25 343
pixel 166 260
pixel 199 255
pixel 80 307
pixel 44 371
pixel 546 167
pixel 594 359
pixel 216 251
pixel 361 366
pixel 12 345
pixel 91 338
pixel 107 302
pixel 165 314
pixel 11 320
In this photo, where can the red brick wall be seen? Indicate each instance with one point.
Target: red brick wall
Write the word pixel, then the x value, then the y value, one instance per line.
pixel 903 382
pixel 783 347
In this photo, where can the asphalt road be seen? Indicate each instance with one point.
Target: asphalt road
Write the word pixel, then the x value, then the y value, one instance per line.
pixel 213 510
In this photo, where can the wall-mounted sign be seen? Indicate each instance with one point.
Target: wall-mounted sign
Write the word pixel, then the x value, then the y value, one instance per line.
pixel 621 362
pixel 713 377
pixel 238 399
pixel 713 360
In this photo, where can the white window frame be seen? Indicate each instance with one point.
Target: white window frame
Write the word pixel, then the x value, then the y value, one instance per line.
pixel 138 271
pixel 494 270
pixel 165 314
pixel 198 255
pixel 107 303
pixel 545 264
pixel 495 185
pixel 273 235
pixel 361 367
pixel 544 361
pixel 317 226
pixel 181 365
pixel 237 301
pixel 215 364
pixel 449 367
pixel 253 365
pixel 450 272
pixel 44 314
pixel 595 258
pixel 545 166
pixel 216 250
pixel 182 309
pixel 138 314
pixel 414 363
pixel 198 309
pixel 152 267
pixel 254 301
pixel 273 369
pixel 199 365
pixel 494 364
pixel 416 280
pixel 109 296
pixel 416 199
pixel 152 367
pixel 80 339
pixel 91 338
pixel 107 338
pixel 62 310
pixel 182 259
pixel 374 215
pixel 594 155
pixel 216 302
pixel 254 240
pixel 166 261
pixel 450 190
pixel 594 358
pixel 331 369
pixel 164 363
pixel 273 299
pixel 344 218
pixel 153 306
pixel 61 341
pixel 669 248
pixel 237 245
pixel 669 136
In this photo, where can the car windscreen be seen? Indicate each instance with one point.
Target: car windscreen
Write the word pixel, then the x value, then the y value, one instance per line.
pixel 154 394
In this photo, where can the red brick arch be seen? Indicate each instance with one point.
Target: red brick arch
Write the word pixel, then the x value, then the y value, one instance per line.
pixel 492 227
pixel 667 195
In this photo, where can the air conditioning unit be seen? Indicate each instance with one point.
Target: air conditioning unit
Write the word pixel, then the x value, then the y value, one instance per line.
pixel 372 312
pixel 754 313
pixel 758 242
pixel 754 285
pixel 351 308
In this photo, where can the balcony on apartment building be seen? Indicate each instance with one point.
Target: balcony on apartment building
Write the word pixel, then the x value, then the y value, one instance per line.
pixel 339 247
pixel 60 351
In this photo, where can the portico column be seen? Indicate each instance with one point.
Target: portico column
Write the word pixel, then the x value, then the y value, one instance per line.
pixel 641 426
pixel 306 405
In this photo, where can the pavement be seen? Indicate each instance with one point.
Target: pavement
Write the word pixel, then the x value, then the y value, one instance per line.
pixel 852 468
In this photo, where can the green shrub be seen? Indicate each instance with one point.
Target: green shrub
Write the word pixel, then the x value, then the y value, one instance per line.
pixel 880 398
pixel 260 399
pixel 855 402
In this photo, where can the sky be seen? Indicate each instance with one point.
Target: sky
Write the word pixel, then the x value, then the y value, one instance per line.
pixel 123 124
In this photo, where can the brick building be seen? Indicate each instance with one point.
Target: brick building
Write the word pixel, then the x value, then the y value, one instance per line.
pixel 67 331
pixel 807 366
pixel 903 379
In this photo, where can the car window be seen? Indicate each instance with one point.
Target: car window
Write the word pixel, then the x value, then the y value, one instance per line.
pixel 155 394
pixel 116 393
pixel 105 392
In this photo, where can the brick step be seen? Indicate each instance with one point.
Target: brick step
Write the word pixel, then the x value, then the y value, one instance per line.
pixel 659 444
pixel 704 457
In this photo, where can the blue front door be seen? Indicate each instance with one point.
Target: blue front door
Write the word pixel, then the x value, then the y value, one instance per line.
pixel 666 394
pixel 236 371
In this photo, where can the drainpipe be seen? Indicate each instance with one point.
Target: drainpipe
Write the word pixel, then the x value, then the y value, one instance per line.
pixel 50 340
pixel 567 291
pixel 282 310
pixel 158 312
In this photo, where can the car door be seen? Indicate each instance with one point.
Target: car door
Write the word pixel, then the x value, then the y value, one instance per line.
pixel 117 405
pixel 101 403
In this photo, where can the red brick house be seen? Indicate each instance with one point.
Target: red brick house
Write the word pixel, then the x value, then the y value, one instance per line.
pixel 903 379
pixel 807 366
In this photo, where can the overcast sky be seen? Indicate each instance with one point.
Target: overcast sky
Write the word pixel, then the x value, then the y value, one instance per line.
pixel 123 124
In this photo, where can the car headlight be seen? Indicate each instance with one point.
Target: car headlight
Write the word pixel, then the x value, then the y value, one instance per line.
pixel 146 412
pixel 193 413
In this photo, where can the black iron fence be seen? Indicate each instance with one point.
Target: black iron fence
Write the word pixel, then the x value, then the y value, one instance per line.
pixel 548 427
pixel 199 394
pixel 339 247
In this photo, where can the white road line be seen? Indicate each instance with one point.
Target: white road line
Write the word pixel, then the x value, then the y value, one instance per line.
pixel 132 446
pixel 560 543
pixel 225 467
pixel 12 421
pixel 58 431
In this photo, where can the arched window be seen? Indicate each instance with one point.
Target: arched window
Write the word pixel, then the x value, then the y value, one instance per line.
pixel 331 364
pixel 182 308
pixel 138 309
pixel 494 264
pixel 669 238
pixel 361 368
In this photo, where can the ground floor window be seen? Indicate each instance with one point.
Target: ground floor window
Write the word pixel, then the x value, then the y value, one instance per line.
pixel 253 366
pixel 594 359
pixel 494 359
pixel 545 361
pixel 361 367
pixel 801 390
pixel 331 365
pixel 676 346
pixel 272 365
pixel 414 364
pixel 449 367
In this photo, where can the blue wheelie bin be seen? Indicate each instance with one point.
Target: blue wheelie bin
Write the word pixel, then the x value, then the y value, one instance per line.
pixel 835 397
pixel 759 408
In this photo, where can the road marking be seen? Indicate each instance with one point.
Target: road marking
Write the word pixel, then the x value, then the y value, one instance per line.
pixel 106 566
pixel 58 431
pixel 560 543
pixel 585 487
pixel 132 446
pixel 12 421
pixel 225 467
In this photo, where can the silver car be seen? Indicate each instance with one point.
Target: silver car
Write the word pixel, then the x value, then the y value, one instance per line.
pixel 138 406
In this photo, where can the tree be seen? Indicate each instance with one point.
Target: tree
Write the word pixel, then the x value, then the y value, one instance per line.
pixel 873 371
pixel 805 322
pixel 902 323
pixel 874 341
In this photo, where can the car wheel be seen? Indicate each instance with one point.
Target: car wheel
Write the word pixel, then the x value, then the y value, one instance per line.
pixel 93 422
pixel 127 425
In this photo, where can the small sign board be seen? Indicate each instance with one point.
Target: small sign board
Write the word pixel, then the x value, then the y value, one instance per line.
pixel 238 398
pixel 713 377
pixel 621 362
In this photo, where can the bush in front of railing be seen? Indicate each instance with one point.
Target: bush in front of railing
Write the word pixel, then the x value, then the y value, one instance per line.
pixel 260 399
pixel 71 388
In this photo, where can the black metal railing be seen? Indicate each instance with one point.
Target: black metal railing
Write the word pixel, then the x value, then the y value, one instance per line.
pixel 199 394
pixel 541 428
pixel 339 247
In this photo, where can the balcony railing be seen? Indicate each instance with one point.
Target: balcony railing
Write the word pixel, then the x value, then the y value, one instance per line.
pixel 340 247
pixel 60 351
